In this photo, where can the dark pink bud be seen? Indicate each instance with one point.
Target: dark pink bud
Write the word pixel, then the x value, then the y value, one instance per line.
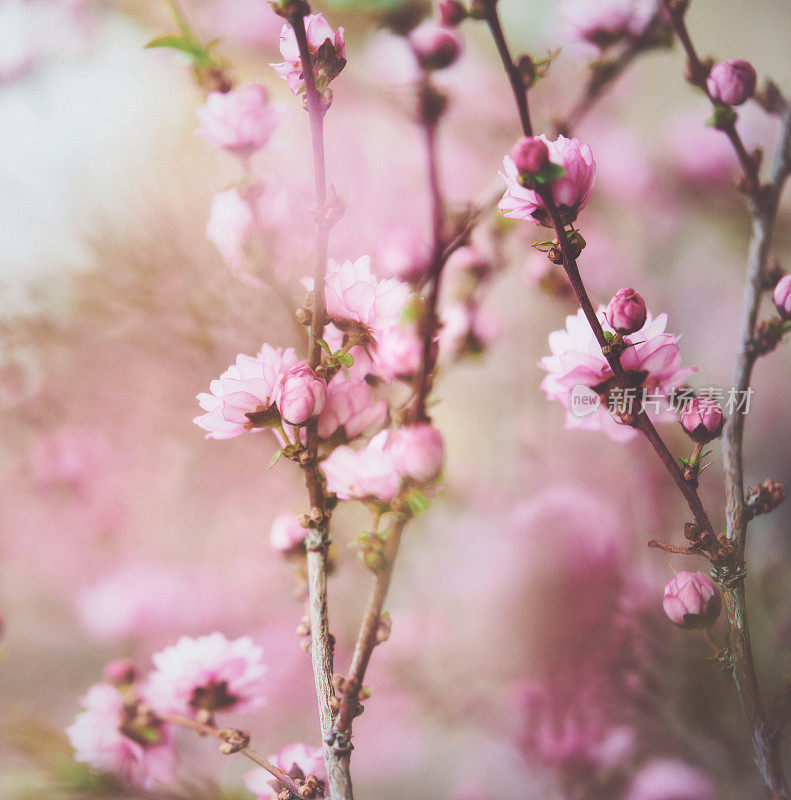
pixel 451 13
pixel 702 419
pixel 626 311
pixel 434 46
pixel 691 600
pixel 731 82
pixel 782 297
pixel 121 672
pixel 531 155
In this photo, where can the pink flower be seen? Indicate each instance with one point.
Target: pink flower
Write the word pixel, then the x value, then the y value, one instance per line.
pixel 578 371
pixel 702 419
pixel 670 780
pixel 731 82
pixel 298 760
pixel 402 253
pixel 286 535
pixel 418 452
pixel 365 474
pixel 626 311
pixel 605 22
pixel 241 121
pixel 300 394
pixel 466 330
pixel 146 760
pixel 782 297
pixel 349 406
pixel 208 673
pixel 434 46
pixel 326 45
pixel 570 192
pixel 399 353
pixel 354 293
pixel 691 600
pixel 246 387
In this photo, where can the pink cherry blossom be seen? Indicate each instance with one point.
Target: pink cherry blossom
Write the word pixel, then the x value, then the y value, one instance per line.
pixel 240 121
pixel 664 779
pixel 418 452
pixel 577 364
pixel 363 474
pixel 570 192
pixel 350 406
pixel 691 600
pixel 244 388
pixel 702 419
pixel 466 329
pixel 210 673
pixel 354 293
pixel 286 534
pixel 300 394
pixel 297 759
pixel 605 22
pixel 97 740
pixel 626 311
pixel 329 62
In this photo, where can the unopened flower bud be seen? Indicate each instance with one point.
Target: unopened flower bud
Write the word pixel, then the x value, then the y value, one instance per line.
pixel 731 82
pixel 702 419
pixel 300 394
pixel 121 672
pixel 451 13
pixel 434 46
pixel 782 297
pixel 691 600
pixel 626 311
pixel 287 535
pixel 530 155
pixel 418 452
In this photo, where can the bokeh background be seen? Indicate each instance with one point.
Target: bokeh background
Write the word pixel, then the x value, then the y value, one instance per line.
pixel 529 656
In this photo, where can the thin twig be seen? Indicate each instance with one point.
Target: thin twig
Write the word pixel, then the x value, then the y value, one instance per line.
pixel 321 649
pixel 228 735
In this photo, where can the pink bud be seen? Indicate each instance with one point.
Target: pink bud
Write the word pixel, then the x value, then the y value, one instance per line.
pixel 782 297
pixel 731 82
pixel 286 534
pixel 451 13
pixel 402 253
pixel 121 672
pixel 418 452
pixel 300 394
pixel 626 311
pixel 531 155
pixel 702 419
pixel 691 600
pixel 434 46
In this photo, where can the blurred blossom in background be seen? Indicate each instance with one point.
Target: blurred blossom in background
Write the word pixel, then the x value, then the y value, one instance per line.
pixel 530 657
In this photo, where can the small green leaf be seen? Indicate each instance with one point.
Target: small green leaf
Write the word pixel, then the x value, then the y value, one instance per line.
pixel 418 502
pixel 609 335
pixel 275 458
pixel 347 359
pixel 324 346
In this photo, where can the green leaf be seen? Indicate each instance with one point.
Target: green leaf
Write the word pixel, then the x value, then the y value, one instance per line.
pixel 193 49
pixel 324 346
pixel 275 458
pixel 347 359
pixel 418 502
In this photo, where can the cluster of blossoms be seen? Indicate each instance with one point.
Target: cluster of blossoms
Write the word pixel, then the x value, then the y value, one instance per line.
pixel 564 165
pixel 124 728
pixel 652 361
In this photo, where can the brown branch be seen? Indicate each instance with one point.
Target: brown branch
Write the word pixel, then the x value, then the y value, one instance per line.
pixel 515 77
pixel 321 648
pixel 697 72
pixel 235 741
